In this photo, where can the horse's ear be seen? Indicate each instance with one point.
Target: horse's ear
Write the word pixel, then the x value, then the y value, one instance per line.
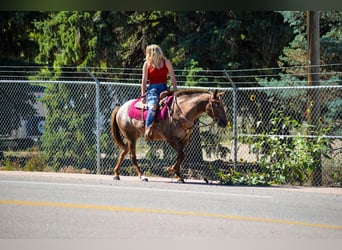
pixel 214 93
pixel 221 94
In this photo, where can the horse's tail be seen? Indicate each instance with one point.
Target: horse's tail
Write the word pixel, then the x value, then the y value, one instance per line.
pixel 114 129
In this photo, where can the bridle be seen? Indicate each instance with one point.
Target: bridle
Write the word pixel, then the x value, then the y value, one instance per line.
pixel 211 102
pixel 215 102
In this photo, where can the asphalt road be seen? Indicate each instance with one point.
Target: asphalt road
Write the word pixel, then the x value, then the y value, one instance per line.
pixel 51 205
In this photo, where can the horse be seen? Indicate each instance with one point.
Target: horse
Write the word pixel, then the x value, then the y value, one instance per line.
pixel 186 106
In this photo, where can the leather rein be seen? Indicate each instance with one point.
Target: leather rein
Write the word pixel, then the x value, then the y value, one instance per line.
pixel 193 125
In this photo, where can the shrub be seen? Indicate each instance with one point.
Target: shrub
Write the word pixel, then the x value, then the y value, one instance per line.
pixel 35 163
pixel 291 160
pixel 250 178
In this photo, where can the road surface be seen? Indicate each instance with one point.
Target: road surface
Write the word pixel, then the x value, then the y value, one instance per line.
pixel 55 205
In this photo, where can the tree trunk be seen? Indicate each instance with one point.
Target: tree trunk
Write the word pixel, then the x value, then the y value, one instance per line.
pixel 314 106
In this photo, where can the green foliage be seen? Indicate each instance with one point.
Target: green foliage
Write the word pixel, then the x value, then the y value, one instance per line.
pixel 192 70
pixel 35 163
pixel 334 109
pixel 17 47
pixel 250 178
pixel 70 111
pixel 218 39
pixel 10 165
pixel 214 39
pixel 331 30
pixel 295 104
pixel 294 157
pixel 232 40
pixel 291 160
pixel 330 38
pixel 70 38
pixel 107 144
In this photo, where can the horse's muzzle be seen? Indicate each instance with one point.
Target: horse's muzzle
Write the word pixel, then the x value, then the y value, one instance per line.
pixel 222 123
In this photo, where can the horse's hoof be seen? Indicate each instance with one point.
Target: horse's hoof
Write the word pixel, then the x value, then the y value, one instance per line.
pixel 143 178
pixel 180 180
pixel 170 170
pixel 116 178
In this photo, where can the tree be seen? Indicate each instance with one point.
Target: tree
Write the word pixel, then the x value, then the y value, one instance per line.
pixel 69 139
pixel 294 57
pixel 330 42
pixel 231 40
pixel 16 48
pixel 67 38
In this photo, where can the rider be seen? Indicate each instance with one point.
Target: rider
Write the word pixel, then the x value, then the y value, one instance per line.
pixel 155 70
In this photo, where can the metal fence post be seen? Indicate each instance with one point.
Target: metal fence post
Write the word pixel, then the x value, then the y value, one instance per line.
pixel 235 89
pixel 235 123
pixel 97 104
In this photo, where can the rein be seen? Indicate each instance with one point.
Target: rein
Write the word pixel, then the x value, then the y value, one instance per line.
pixel 193 125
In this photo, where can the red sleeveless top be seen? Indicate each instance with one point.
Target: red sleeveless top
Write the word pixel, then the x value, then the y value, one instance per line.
pixel 157 75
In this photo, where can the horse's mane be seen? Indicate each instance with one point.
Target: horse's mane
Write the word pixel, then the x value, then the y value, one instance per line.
pixel 190 92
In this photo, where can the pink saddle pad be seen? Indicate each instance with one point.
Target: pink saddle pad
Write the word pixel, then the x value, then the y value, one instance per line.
pixel 135 113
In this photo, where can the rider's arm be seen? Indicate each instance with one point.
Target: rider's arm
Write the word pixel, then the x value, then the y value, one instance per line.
pixel 144 79
pixel 171 74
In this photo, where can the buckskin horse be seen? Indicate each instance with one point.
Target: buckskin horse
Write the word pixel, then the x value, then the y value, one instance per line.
pixel 186 106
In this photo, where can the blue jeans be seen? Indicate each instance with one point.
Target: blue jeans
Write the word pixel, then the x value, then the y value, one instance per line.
pixel 153 92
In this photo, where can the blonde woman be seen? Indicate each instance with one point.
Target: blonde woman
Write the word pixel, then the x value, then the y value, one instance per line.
pixel 155 70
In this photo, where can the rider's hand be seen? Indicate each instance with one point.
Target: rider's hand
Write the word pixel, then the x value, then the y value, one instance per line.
pixel 143 98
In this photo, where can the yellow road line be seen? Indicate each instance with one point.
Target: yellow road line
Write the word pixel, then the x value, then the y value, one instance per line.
pixel 160 211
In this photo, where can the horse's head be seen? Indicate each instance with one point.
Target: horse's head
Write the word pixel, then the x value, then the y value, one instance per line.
pixel 215 109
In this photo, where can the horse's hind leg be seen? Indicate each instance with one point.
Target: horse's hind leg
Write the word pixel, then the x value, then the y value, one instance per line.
pixel 180 158
pixel 118 164
pixel 132 154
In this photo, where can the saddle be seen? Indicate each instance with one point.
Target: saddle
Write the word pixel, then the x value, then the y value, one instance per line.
pixel 162 100
pixel 138 109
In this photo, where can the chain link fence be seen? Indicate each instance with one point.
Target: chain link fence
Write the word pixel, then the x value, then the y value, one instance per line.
pixel 60 122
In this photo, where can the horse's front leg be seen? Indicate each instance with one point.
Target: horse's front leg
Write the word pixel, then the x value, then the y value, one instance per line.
pixel 132 154
pixel 180 158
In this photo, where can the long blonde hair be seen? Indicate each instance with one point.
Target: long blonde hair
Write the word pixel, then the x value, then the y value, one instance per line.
pixel 154 55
